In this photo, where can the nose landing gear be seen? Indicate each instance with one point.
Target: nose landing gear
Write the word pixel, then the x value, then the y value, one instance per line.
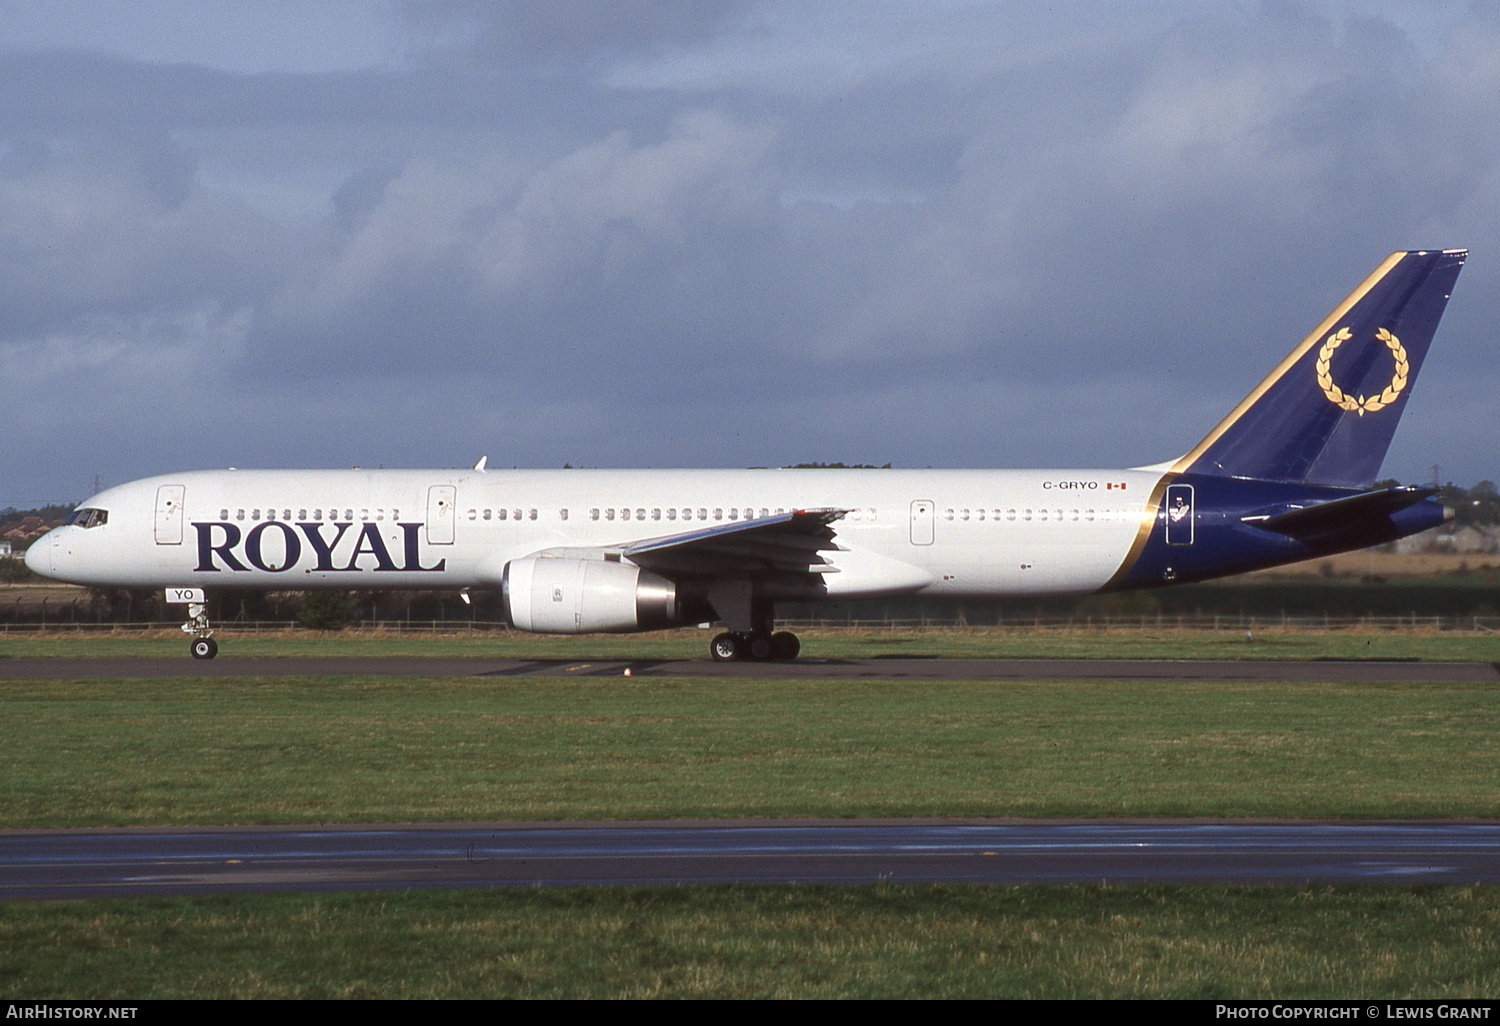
pixel 203 645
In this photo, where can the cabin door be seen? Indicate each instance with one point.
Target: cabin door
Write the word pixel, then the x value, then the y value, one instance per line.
pixel 922 522
pixel 440 514
pixel 1180 514
pixel 169 514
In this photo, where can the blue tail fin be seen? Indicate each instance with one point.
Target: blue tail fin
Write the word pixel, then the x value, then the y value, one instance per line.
pixel 1327 413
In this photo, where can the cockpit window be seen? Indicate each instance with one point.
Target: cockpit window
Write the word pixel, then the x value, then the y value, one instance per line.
pixel 90 517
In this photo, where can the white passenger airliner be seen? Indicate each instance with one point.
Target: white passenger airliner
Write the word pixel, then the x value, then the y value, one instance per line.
pixel 1288 475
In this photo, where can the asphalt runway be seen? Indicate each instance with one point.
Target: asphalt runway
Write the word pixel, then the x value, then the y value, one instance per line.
pixel 876 669
pixel 89 863
pixel 77 864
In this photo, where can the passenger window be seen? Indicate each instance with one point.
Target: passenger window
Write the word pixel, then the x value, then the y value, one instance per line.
pixel 223 514
pixel 609 514
pixel 593 514
pixel 562 514
pixel 734 514
pixel 255 514
pixel 655 514
pixel 671 514
pixel 532 515
pixel 302 514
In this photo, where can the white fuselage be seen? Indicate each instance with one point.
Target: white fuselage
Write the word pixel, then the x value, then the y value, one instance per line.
pixel 941 532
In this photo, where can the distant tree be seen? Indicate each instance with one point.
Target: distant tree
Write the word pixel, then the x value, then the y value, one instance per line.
pixel 327 610
pixel 1472 507
pixel 1484 505
pixel 15 571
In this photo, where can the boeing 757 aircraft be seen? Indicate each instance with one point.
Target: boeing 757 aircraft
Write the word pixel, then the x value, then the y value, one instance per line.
pixel 1288 475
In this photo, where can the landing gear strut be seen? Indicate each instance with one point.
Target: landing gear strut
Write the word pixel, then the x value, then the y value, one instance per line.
pixel 751 619
pixel 203 645
pixel 761 645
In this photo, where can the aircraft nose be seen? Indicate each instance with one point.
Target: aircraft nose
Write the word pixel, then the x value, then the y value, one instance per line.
pixel 39 555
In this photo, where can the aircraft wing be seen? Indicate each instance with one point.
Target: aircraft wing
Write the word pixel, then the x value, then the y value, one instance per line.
pixel 786 543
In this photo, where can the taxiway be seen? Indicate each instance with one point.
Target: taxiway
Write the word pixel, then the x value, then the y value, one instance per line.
pixel 76 864
pixel 880 668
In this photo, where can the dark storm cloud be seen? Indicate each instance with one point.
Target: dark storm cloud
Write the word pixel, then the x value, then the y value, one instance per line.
pixel 753 233
pixel 566 34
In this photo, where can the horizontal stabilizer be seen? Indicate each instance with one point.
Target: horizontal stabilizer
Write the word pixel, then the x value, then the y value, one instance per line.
pixel 1337 514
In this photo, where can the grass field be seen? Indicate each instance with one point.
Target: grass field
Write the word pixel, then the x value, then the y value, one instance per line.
pixel 339 749
pixel 767 942
pixel 324 749
pixel 831 643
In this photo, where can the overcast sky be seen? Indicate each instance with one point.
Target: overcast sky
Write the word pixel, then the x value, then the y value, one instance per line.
pixel 717 233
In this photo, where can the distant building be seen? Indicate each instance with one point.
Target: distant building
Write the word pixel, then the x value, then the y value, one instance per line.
pixel 1448 538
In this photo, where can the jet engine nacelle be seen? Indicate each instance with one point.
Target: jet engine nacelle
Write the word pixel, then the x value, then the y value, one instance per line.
pixel 580 596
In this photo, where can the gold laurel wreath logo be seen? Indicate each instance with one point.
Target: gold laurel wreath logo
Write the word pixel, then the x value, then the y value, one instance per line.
pixel 1362 404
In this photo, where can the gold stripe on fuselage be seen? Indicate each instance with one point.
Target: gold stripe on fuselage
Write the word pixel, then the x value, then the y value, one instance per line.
pixel 1142 533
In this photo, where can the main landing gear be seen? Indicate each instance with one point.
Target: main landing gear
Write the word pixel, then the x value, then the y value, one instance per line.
pixel 203 645
pixel 751 619
pixel 781 645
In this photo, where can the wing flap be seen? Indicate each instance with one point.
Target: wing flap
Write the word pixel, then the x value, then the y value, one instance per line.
pixel 785 543
pixel 781 544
